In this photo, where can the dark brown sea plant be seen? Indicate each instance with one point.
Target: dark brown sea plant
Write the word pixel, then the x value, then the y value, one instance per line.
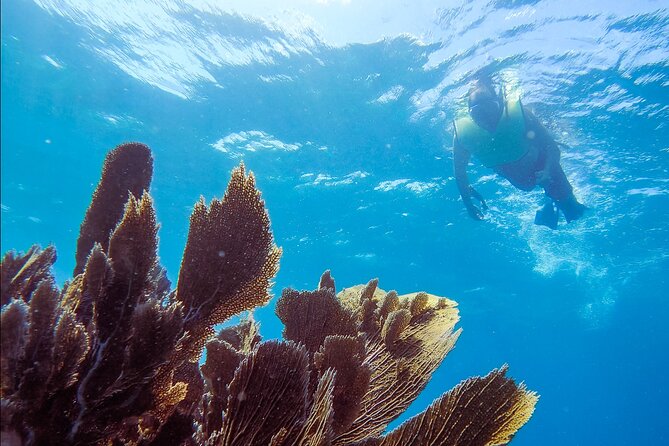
pixel 112 358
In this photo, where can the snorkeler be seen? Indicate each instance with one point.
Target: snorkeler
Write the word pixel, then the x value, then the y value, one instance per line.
pixel 507 137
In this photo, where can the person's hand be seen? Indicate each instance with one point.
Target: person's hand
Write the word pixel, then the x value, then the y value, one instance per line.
pixel 473 211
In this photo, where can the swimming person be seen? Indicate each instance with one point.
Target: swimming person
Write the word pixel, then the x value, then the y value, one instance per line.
pixel 506 137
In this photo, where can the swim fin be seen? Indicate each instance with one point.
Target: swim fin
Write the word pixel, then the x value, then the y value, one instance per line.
pixel 572 209
pixel 547 216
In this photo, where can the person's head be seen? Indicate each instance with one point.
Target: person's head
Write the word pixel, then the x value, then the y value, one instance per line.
pixel 485 105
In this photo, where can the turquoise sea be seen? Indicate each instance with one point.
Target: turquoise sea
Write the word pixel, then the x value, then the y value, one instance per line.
pixel 343 110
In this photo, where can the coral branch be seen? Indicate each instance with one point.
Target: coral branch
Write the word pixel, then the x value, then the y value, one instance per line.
pixel 311 316
pixel 14 329
pixel 345 355
pixel 37 357
pixel 268 393
pixel 477 412
pixel 127 170
pixel 403 360
pixel 21 274
pixel 327 282
pixel 229 260
pixel 132 253
pixel 317 430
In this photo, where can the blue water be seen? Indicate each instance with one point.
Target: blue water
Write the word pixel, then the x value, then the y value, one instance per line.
pixel 342 109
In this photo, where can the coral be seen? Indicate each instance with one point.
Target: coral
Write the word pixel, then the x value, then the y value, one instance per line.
pixel 112 358
pixel 127 170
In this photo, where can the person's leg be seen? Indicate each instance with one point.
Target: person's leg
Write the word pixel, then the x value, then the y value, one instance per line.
pixel 558 188
pixel 562 192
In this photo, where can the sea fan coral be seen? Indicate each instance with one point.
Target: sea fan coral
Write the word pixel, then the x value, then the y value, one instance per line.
pixel 112 358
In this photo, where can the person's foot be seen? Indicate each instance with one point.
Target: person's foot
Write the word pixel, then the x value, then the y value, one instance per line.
pixel 547 216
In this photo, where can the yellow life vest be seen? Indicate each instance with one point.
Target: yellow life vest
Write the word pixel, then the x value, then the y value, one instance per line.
pixel 506 144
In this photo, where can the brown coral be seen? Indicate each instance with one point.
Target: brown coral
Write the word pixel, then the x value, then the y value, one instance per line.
pixel 229 260
pixel 457 416
pixel 127 171
pixel 112 358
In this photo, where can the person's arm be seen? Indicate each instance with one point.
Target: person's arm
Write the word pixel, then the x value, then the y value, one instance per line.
pixel 460 161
